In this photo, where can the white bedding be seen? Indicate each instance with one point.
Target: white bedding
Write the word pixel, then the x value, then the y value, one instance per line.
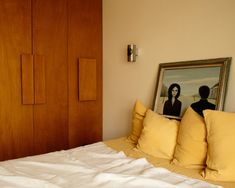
pixel 94 165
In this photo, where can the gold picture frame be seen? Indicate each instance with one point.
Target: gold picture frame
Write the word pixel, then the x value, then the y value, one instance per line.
pixel 189 76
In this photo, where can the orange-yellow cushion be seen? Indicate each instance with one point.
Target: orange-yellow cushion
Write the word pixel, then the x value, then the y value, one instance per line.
pixel 191 145
pixel 221 145
pixel 138 115
pixel 158 137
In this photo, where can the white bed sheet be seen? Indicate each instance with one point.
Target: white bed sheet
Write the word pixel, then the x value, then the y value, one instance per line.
pixel 94 165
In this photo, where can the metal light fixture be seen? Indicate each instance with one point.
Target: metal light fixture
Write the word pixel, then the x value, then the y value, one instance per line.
pixel 131 52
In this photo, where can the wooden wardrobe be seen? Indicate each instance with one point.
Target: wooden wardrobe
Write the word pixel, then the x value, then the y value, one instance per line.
pixel 50 75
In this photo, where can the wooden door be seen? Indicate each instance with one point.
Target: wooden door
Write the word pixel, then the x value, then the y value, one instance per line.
pixel 85 45
pixel 16 118
pixel 50 48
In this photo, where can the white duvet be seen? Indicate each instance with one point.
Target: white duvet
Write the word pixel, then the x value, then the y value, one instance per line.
pixel 93 165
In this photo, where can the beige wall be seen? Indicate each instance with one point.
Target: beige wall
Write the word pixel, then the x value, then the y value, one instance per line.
pixel 164 31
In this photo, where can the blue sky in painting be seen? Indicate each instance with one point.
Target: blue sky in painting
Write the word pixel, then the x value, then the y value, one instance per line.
pixel 191 79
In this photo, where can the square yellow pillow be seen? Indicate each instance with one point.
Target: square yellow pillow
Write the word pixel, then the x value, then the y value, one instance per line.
pixel 158 137
pixel 191 147
pixel 138 115
pixel 221 145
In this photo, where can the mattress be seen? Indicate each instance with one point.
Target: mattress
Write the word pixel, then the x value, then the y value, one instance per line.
pixel 122 144
pixel 111 164
pixel 115 163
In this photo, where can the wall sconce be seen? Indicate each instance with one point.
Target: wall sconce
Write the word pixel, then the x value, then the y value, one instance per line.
pixel 131 52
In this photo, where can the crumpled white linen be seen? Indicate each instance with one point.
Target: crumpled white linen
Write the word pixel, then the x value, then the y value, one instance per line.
pixel 94 165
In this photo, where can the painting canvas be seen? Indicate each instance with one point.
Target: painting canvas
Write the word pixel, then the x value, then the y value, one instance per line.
pixel 182 84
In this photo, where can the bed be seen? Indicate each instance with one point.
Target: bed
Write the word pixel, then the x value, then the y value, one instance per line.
pixel 113 163
pixel 195 152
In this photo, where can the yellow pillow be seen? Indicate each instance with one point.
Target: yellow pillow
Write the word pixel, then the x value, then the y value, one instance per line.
pixel 191 147
pixel 221 145
pixel 158 137
pixel 138 115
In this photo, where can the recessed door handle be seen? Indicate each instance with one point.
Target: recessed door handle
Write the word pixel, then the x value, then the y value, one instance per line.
pixel 39 79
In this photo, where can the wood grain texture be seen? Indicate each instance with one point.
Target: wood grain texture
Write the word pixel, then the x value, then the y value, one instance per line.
pixel 39 79
pixel 58 33
pixel 16 120
pixel 84 41
pixel 27 79
pixel 87 79
pixel 50 40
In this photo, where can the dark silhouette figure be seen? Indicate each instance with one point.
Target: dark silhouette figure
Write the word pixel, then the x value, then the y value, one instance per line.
pixel 173 106
pixel 203 103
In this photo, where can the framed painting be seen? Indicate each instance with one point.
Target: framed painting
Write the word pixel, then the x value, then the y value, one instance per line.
pixel 200 84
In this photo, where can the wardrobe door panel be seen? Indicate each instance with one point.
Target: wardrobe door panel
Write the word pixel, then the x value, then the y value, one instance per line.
pixel 50 42
pixel 16 119
pixel 85 41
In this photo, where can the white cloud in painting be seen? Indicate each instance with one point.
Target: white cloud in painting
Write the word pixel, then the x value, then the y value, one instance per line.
pixel 201 80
